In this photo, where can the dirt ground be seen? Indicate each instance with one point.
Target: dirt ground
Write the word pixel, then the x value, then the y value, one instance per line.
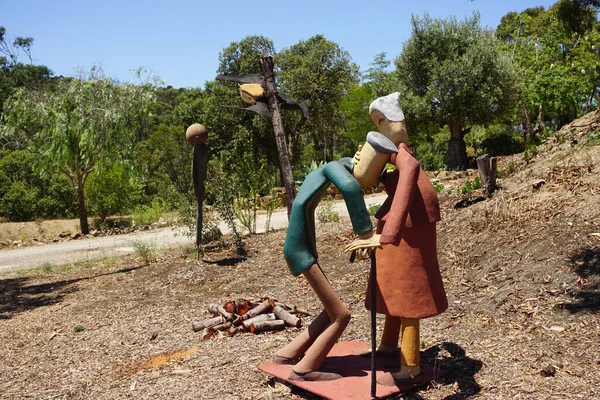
pixel 521 270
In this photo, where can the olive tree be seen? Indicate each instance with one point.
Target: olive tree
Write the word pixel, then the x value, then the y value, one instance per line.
pixel 451 72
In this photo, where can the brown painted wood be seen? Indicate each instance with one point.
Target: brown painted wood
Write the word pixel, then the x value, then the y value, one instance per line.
pixel 266 64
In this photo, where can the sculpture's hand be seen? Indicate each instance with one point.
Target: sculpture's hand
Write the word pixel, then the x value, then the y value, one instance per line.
pixel 356 157
pixel 362 247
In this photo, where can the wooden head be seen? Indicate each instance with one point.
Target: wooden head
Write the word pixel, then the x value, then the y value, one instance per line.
pixel 196 130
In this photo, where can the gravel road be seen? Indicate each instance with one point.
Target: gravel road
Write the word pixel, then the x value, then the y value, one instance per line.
pixel 108 246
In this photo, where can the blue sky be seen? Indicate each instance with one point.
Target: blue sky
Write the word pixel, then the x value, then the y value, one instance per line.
pixel 180 41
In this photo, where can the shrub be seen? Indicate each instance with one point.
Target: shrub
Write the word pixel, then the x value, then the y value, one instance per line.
pixel 149 214
pixel 112 191
pixel 469 186
pixel 325 213
pixel 373 208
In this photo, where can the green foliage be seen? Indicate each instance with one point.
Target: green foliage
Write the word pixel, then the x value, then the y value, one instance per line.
pixel 149 214
pixel 508 171
pixel 438 186
pixel 242 57
pixel 78 328
pixel 373 208
pixel 223 197
pixel 326 214
pixel 25 195
pixel 450 72
pixel 557 53
pixel 307 169
pixel 47 267
pixel 530 153
pixel 319 72
pixel 431 148
pixel 86 123
pixel 146 251
pixel 470 186
pixel 113 191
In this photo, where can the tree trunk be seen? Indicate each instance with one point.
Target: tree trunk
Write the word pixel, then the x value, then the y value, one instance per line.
pixel 539 125
pixel 457 149
pixel 266 65
pixel 526 123
pixel 81 211
pixel 487 167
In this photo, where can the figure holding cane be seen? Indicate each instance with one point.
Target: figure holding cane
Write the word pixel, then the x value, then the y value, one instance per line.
pixel 408 279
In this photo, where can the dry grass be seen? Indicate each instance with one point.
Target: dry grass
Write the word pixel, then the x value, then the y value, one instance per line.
pixel 522 273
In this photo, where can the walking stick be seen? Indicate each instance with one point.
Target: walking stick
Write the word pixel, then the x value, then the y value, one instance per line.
pixel 373 324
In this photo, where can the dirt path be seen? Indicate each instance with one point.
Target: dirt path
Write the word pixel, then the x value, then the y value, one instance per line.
pixel 108 246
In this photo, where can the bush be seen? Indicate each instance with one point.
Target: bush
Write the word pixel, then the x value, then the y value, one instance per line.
pixel 112 191
pixel 373 208
pixel 325 213
pixel 149 214
pixel 18 202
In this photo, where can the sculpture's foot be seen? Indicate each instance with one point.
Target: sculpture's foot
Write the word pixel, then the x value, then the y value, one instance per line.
pixel 286 360
pixel 406 375
pixel 314 376
pixel 382 351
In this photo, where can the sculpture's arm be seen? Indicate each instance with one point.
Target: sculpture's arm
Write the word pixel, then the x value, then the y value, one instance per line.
pixel 409 169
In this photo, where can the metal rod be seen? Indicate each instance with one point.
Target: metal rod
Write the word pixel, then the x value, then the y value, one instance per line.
pixel 373 324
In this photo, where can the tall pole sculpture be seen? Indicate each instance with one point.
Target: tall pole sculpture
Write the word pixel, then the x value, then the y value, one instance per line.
pixel 197 135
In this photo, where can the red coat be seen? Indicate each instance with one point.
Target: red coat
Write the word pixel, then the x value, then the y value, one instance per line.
pixel 409 283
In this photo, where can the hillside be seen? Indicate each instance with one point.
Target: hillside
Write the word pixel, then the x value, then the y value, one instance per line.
pixel 522 273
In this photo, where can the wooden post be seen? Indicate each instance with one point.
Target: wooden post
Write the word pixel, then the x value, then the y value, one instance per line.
pixel 266 65
pixel 487 167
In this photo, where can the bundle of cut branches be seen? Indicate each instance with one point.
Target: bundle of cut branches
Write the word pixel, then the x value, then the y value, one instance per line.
pixel 252 316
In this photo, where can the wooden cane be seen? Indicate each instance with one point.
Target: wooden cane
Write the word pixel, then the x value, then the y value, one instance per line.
pixel 373 324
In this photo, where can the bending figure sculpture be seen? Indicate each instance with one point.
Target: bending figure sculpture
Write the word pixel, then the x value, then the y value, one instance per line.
pixel 309 349
pixel 409 283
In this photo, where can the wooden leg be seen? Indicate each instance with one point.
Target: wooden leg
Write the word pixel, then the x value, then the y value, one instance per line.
pixel 320 341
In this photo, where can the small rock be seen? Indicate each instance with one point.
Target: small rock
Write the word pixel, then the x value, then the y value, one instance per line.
pixel 538 184
pixel 548 371
pixel 64 234
pixel 76 236
pixel 56 240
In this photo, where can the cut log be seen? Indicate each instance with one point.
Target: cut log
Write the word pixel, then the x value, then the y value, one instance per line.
pixel 217 309
pixel 487 173
pixel 235 329
pixel 207 323
pixel 289 319
pixel 293 309
pixel 264 307
pixel 259 318
pixel 220 327
pixel 230 307
pixel 267 326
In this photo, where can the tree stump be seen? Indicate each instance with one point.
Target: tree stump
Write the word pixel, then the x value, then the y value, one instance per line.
pixel 487 166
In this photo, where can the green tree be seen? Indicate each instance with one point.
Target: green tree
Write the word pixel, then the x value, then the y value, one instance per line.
pixel 558 56
pixel 451 72
pixel 85 123
pixel 15 74
pixel 319 72
pixel 242 57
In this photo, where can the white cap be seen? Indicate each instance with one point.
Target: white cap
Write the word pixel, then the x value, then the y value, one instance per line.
pixel 389 106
